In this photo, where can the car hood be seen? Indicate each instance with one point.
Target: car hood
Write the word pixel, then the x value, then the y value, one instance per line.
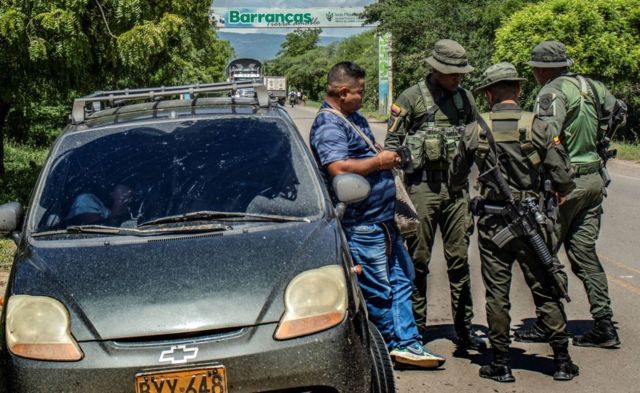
pixel 152 287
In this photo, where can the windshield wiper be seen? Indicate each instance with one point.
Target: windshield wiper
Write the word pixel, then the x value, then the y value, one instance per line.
pixel 217 215
pixel 107 230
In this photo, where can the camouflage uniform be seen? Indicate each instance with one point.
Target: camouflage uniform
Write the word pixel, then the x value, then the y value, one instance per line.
pixel 429 119
pixel 527 147
pixel 568 102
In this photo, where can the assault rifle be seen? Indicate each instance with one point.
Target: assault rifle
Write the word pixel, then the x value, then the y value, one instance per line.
pixel 617 119
pixel 524 218
pixel 608 127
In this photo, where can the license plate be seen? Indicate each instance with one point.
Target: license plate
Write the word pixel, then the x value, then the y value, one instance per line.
pixel 203 380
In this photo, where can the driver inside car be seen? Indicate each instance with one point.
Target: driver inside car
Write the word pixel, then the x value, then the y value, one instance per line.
pixel 88 209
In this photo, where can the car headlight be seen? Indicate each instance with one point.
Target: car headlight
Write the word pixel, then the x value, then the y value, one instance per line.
pixel 314 300
pixel 38 327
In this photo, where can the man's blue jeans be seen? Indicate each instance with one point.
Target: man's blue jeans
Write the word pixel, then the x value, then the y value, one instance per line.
pixel 386 281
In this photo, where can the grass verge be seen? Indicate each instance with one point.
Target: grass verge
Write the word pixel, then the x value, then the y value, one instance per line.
pixel 7 249
pixel 627 151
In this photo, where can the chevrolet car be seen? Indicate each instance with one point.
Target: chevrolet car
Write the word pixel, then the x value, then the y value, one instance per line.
pixel 182 240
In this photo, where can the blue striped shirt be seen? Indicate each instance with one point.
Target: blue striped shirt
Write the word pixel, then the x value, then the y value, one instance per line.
pixel 333 139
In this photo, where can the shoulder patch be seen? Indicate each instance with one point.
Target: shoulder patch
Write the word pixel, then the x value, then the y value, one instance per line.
pixel 546 105
pixel 397 110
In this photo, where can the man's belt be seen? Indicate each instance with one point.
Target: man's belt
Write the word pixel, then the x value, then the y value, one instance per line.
pixel 586 168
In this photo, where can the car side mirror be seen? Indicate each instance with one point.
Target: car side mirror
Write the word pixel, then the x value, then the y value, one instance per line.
pixel 350 188
pixel 10 218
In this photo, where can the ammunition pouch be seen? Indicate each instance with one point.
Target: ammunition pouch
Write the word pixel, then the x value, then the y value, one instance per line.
pixel 433 144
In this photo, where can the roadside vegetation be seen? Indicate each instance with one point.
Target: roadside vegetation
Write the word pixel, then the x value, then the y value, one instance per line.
pixel 55 51
pixel 602 36
pixel 7 249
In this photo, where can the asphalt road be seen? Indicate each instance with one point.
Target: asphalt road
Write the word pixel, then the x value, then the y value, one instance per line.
pixel 601 370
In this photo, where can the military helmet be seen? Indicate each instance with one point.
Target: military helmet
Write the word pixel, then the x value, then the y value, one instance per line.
pixel 500 72
pixel 550 54
pixel 449 57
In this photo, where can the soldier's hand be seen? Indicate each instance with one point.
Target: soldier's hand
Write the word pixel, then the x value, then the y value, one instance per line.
pixel 561 199
pixel 388 159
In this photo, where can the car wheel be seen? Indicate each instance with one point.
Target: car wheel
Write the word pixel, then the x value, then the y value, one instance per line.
pixel 382 379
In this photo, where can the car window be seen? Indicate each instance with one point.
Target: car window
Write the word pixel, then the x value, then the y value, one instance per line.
pixel 128 176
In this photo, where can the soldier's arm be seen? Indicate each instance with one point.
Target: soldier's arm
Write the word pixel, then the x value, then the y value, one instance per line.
pixel 551 106
pixel 554 158
pixel 463 158
pixel 399 122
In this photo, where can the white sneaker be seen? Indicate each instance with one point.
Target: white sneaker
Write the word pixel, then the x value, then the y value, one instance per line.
pixel 416 355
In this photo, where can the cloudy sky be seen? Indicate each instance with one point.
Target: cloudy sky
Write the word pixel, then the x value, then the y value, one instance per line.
pixel 293 4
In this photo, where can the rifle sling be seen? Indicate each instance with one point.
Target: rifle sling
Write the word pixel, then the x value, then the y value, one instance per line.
pixel 596 98
pixel 490 138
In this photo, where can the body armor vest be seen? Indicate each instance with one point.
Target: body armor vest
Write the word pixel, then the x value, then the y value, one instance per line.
pixel 512 131
pixel 434 142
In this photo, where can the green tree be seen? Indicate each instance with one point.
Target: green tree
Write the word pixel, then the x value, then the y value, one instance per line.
pixel 417 24
pixel 55 50
pixel 602 37
pixel 308 70
pixel 299 41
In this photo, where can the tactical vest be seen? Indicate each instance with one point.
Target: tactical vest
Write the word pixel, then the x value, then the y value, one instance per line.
pixel 580 129
pixel 513 132
pixel 433 144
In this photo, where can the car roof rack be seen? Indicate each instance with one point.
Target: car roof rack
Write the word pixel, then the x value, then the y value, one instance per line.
pixel 118 97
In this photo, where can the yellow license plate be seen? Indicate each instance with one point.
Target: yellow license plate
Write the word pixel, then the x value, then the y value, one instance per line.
pixel 203 380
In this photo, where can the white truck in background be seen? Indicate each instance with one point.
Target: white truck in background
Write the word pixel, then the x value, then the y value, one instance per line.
pixel 277 87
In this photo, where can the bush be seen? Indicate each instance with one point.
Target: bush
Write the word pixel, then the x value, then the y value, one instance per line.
pixel 602 37
pixel 23 164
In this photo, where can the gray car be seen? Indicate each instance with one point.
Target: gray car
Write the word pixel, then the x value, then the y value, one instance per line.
pixel 182 242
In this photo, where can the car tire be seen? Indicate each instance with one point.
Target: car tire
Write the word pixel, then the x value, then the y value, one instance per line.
pixel 382 378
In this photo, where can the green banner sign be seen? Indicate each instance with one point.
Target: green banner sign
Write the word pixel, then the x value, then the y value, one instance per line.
pixel 287 17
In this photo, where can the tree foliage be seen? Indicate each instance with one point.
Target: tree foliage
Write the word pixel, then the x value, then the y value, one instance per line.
pixel 308 70
pixel 55 50
pixel 417 24
pixel 602 37
pixel 299 41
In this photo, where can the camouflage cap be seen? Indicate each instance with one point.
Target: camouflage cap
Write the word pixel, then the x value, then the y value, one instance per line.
pixel 449 57
pixel 497 73
pixel 549 54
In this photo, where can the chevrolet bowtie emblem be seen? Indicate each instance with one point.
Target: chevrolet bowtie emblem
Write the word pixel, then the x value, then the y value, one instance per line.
pixel 178 354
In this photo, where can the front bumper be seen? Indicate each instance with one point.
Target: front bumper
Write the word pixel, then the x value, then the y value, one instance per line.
pixel 335 360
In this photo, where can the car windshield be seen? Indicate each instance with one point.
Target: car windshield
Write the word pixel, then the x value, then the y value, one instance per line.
pixel 125 177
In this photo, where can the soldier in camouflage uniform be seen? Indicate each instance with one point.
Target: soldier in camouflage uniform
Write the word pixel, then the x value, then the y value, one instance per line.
pixel 526 146
pixel 571 103
pixel 428 118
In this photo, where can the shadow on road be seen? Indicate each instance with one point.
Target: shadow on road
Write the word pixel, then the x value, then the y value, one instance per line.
pixel 575 327
pixel 521 359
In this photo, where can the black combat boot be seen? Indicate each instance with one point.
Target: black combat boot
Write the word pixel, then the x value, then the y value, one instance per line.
pixel 499 369
pixel 603 335
pixel 466 340
pixel 565 369
pixel 535 333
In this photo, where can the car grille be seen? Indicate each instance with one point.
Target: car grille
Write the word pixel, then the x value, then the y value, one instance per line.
pixel 181 338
